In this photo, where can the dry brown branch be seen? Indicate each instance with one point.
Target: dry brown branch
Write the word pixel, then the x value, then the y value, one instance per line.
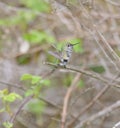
pixel 12 85
pixel 104 112
pixel 82 93
pixel 50 103
pixel 20 108
pixel 67 97
pixel 77 69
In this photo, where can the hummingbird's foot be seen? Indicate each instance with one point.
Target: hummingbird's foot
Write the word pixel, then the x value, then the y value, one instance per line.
pixel 64 66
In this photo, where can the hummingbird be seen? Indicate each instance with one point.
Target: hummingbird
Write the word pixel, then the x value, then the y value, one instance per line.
pixel 65 54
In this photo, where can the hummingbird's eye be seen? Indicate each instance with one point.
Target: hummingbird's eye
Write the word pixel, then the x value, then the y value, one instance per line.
pixel 69 45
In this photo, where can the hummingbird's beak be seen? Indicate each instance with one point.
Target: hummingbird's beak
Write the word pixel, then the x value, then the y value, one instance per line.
pixel 75 44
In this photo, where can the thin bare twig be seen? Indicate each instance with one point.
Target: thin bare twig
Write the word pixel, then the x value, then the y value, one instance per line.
pixel 116 57
pixel 101 47
pixel 105 111
pixel 82 93
pixel 50 103
pixel 66 99
pixel 84 72
pixel 12 85
pixel 111 51
pixel 20 108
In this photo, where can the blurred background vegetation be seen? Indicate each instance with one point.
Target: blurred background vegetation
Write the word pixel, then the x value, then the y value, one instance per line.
pixel 28 29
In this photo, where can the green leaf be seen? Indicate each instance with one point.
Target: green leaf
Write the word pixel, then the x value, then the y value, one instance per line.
pixel 68 79
pixel 98 69
pixel 35 79
pixel 37 5
pixel 81 83
pixel 21 17
pixel 7 124
pixel 11 97
pixel 3 92
pixel 33 91
pixel 34 36
pixel 2 110
pixel 32 78
pixel 46 82
pixel 7 108
pixel 38 37
pixel 36 91
pixel 24 59
pixel 26 16
pixel 26 77
pixel 36 106
pixel 3 22
pixel 29 92
pixel 50 38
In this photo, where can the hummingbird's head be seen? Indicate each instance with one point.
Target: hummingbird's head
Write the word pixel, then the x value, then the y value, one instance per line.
pixel 71 45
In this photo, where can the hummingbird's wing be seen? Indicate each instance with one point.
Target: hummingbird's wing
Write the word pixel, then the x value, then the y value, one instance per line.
pixel 55 54
pixel 53 45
